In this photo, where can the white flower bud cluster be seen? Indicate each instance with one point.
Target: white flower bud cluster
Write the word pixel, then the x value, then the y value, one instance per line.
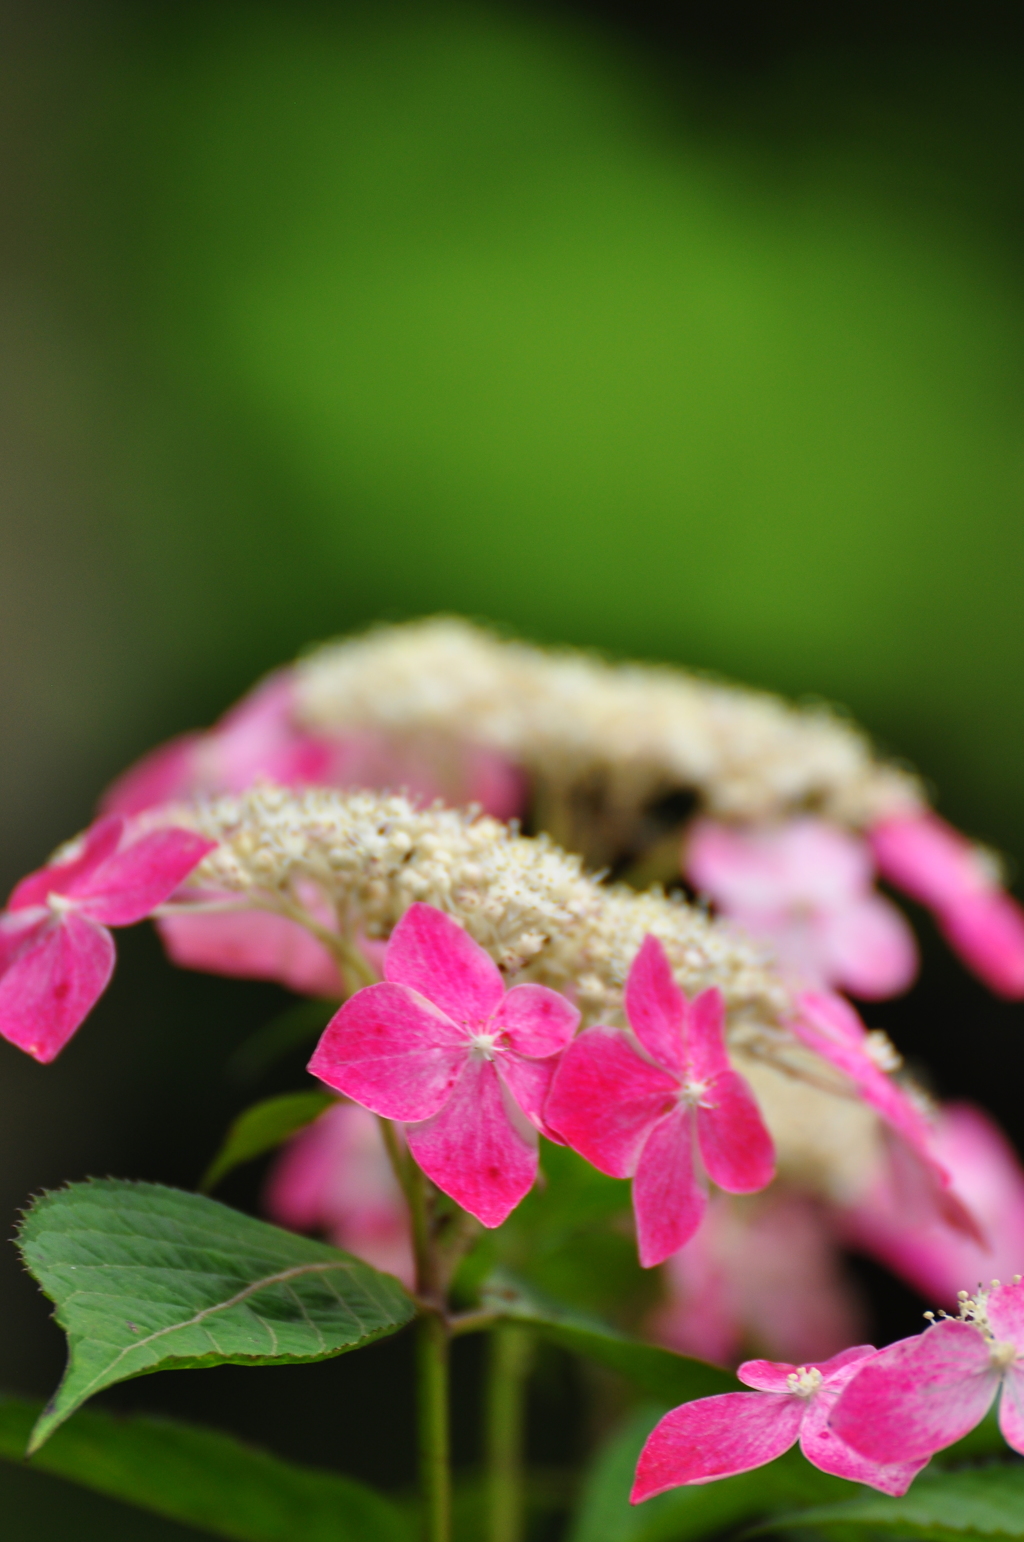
pixel 570 717
pixel 542 918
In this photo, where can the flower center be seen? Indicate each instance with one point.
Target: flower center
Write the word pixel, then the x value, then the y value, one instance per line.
pixel 694 1094
pixel 1002 1354
pixel 803 1382
pixel 59 904
pixel 484 1046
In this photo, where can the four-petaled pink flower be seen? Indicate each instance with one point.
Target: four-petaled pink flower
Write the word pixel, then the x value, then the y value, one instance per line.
pixel 56 954
pixel 923 1393
pixel 805 888
pixel 442 1046
pixel 641 1104
pixel 923 855
pixel 717 1437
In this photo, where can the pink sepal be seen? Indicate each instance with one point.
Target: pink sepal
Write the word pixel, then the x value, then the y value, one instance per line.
pixel 735 1146
pixel 538 1021
pixel 705 1036
pixel 668 1201
pixel 605 1098
pixel 141 875
pixel 162 776
pixel 392 1051
pixel 431 953
pixel 251 945
pixel 655 1006
pixel 716 1437
pixel 74 870
pixel 822 1446
pixel 53 983
pixel 918 1395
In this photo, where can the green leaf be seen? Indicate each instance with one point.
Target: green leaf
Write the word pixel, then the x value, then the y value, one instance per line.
pixel 203 1478
pixel 147 1278
pixel 297 1025
pixel 261 1128
pixel 983 1501
pixel 606 1515
pixel 659 1372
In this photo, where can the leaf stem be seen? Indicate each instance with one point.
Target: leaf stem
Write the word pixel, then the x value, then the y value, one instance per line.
pixel 511 1351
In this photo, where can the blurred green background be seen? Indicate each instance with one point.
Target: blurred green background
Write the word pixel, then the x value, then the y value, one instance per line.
pixel 706 347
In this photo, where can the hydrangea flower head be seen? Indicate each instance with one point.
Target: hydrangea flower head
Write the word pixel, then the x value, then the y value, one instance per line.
pixel 642 1104
pixel 717 1437
pixel 806 888
pixel 56 953
pixel 924 1393
pixel 441 1046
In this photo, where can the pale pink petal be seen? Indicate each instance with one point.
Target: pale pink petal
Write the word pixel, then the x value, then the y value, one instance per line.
pixel 805 863
pixel 53 983
pixel 1011 1409
pixel 987 930
pixel 140 876
pixel 740 869
pixel 655 1006
pixel 918 1396
pixel 822 1446
pixel 431 953
pixel 605 1097
pixel 668 1201
pixel 771 1375
pixel 1004 1306
pixel 538 1021
pixel 868 947
pixel 163 776
pixel 529 1082
pixel 825 866
pixel 929 860
pixel 716 1437
pixel 705 1036
pixel 475 1149
pixel 76 867
pixel 251 945
pixel 734 1143
pixel 391 1050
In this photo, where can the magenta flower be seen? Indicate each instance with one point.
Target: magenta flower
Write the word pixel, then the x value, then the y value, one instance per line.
pixel 922 1394
pixel 986 1173
pixel 806 889
pixel 932 862
pixel 56 954
pixel 335 1177
pixel 441 1045
pixel 643 1104
pixel 717 1437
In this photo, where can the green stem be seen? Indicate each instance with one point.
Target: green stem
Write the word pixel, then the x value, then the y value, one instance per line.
pixel 511 1350
pixel 432 1398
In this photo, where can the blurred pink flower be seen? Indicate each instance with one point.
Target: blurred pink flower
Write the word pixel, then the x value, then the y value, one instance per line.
pixel 642 1105
pixel 986 1174
pixel 935 864
pixel 805 888
pixel 717 1437
pixel 335 1177
pixel 762 1273
pixel 442 1044
pixel 56 954
pixel 921 1394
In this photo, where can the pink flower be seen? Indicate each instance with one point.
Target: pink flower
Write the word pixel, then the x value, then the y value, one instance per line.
pixel 335 1176
pixel 761 1273
pixel 642 1104
pixel 440 1043
pixel 716 1437
pixel 924 1393
pixel 932 862
pixel 56 954
pixel 986 1174
pixel 805 888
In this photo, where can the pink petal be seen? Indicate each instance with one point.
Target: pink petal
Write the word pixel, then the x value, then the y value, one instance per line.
pixel 163 776
pixel 475 1149
pixel 822 1446
pixel 138 877
pixel 1011 1409
pixel 805 863
pixel 987 930
pixel 929 860
pixel 605 1097
pixel 391 1050
pixel 734 1143
pixel 771 1375
pixel 529 1082
pixel 716 1437
pixel 867 947
pixel 431 953
pixel 668 1201
pixel 538 1021
pixel 705 1036
pixel 918 1396
pixel 1005 1308
pixel 655 1006
pixel 251 945
pixel 53 983
pixel 91 849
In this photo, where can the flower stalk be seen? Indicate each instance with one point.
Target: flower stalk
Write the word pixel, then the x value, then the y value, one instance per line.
pixel 510 1356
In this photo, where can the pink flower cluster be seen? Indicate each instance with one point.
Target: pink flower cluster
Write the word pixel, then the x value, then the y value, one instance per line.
pixel 875 1416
